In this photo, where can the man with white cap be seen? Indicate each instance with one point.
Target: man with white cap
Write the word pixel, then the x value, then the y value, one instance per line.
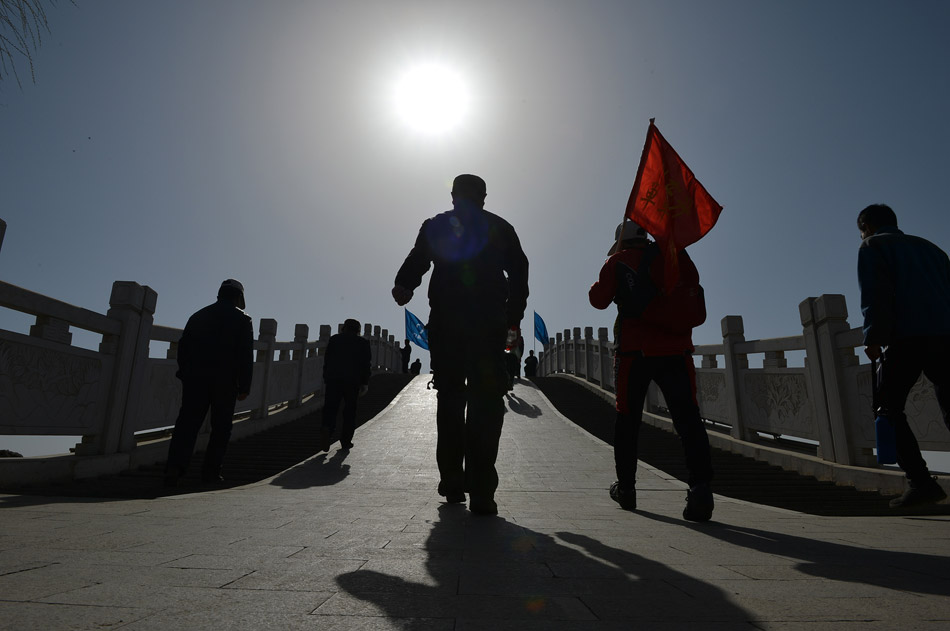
pixel 215 365
pixel 653 337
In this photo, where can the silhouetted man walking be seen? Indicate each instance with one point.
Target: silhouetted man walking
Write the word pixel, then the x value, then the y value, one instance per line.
pixel 905 300
pixel 530 365
pixel 215 366
pixel 346 370
pixel 473 307
pixel 654 342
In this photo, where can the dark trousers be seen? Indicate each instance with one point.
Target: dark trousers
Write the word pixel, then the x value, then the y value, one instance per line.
pixel 471 379
pixel 347 394
pixel 900 368
pixel 675 375
pixel 196 398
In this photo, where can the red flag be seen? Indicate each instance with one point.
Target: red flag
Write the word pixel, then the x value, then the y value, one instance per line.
pixel 669 202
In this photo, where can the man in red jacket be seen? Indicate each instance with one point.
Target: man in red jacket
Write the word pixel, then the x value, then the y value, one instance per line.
pixel 653 338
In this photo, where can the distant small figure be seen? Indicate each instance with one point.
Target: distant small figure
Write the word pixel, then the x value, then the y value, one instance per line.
pixel 530 365
pixel 654 343
pixel 477 294
pixel 215 366
pixel 346 371
pixel 905 299
pixel 406 352
pixel 416 367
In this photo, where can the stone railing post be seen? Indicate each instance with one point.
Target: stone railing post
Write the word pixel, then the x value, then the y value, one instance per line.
pixel 395 359
pixel 375 344
pixel 133 305
pixel 558 358
pixel 606 361
pixel 823 318
pixel 267 336
pixel 733 332
pixel 575 348
pixel 384 354
pixel 301 333
pixel 589 354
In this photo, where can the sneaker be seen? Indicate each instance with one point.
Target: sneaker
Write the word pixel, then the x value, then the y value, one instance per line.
pixel 481 505
pixel 626 497
pixel 919 493
pixel 347 445
pixel 699 503
pixel 211 478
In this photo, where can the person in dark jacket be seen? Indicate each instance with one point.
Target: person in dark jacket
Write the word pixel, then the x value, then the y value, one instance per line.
pixel 530 365
pixel 905 300
pixel 654 343
pixel 346 370
pixel 477 296
pixel 416 367
pixel 215 366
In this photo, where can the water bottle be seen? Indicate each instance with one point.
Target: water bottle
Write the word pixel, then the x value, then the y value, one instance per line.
pixel 886 440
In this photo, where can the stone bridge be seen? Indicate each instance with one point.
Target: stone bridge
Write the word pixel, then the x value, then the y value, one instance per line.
pixel 121 399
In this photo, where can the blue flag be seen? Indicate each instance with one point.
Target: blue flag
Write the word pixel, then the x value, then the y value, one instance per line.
pixel 540 331
pixel 416 331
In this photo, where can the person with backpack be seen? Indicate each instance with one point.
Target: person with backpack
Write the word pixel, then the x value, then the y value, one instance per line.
pixel 653 342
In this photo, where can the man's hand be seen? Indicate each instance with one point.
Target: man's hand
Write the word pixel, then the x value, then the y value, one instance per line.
pixel 243 395
pixel 401 295
pixel 873 352
pixel 363 389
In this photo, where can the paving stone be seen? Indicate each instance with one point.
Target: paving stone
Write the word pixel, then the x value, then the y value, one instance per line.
pixel 377 548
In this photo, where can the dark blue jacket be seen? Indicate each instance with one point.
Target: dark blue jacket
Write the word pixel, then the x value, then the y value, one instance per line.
pixel 905 287
pixel 348 360
pixel 479 266
pixel 218 345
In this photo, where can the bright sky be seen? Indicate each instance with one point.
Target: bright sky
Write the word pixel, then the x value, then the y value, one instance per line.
pixel 180 143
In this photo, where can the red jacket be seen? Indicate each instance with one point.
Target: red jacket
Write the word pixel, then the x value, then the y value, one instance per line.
pixel 666 325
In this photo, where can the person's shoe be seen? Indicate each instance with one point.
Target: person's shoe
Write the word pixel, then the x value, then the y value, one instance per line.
pixel 347 445
pixel 325 439
pixel 481 505
pixel 919 493
pixel 626 497
pixel 699 503
pixel 211 478
pixel 451 496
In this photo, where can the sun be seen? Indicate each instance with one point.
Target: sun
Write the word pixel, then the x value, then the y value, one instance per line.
pixel 431 98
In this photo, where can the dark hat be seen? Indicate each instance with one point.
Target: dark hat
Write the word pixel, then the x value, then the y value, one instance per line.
pixel 232 284
pixel 232 290
pixel 469 186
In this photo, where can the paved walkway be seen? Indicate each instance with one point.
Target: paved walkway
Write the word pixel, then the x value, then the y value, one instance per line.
pixel 360 540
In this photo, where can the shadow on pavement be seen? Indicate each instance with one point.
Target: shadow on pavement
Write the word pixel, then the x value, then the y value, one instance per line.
pixel 898 570
pixel 521 407
pixel 318 471
pixel 481 568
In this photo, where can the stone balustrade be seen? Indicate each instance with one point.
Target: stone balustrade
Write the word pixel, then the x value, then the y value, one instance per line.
pixel 827 401
pixel 118 398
